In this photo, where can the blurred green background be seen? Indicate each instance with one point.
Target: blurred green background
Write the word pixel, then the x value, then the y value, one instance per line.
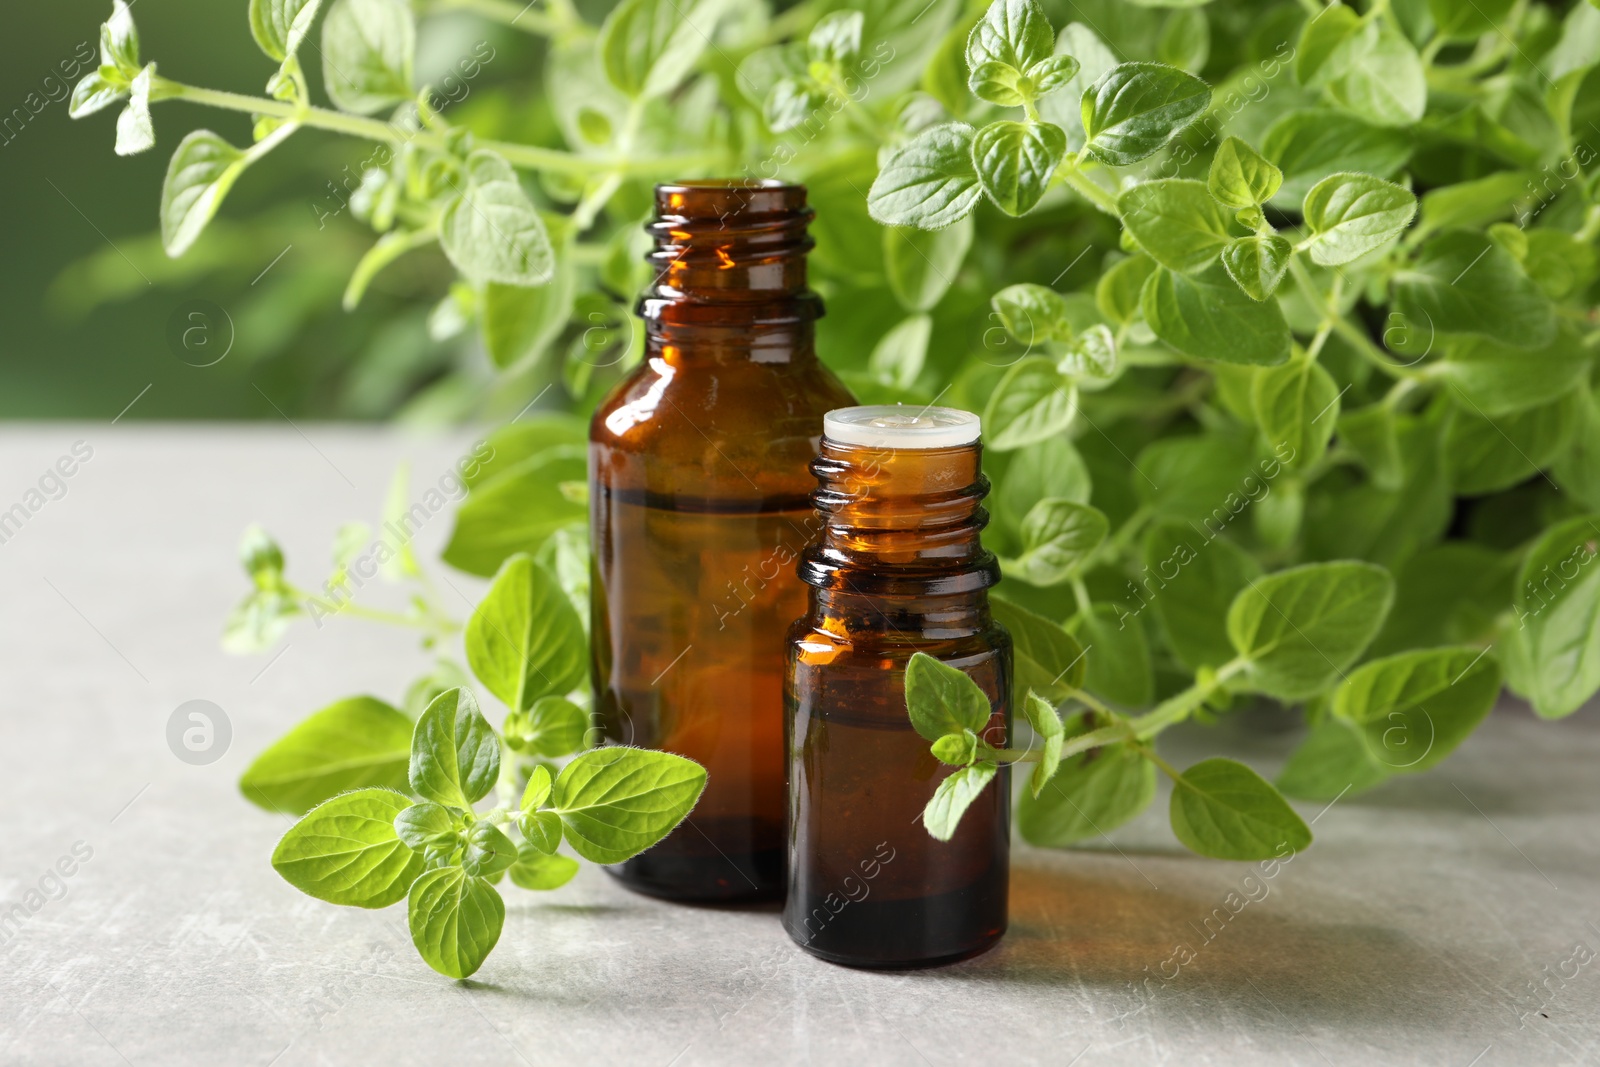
pixel 88 295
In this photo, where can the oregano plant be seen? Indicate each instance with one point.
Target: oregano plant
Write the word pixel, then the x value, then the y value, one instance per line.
pixel 1280 314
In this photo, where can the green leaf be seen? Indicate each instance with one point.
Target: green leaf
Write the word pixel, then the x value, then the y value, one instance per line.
pixel 1014 162
pixel 1206 316
pixel 1057 537
pixel 119 40
pixel 1094 793
pixel 648 47
pixel 1014 33
pixel 1241 177
pixel 941 699
pixel 280 26
pixel 455 920
pixel 1351 215
pixel 1414 709
pixel 1136 108
pixel 953 797
pixel 922 265
pixel 1301 628
pixel 1467 20
pixel 346 851
pixel 489 850
pixel 1559 263
pixel 1449 593
pixel 553 727
pixel 261 558
pixel 1116 655
pixel 1048 660
pixel 516 510
pixel 388 248
pixel 428 825
pixel 1578 471
pixel 1191 579
pixel 1185 39
pixel 1383 81
pixel 538 788
pixel 1042 717
pixel 532 435
pixel 1321 41
pixel 1048 468
pixel 1472 204
pixel 1223 809
pixel 1462 282
pixel 1203 478
pixel 1257 263
pixel 93 93
pixel 490 229
pixel 135 131
pixel 350 744
pixel 541 829
pixel 1489 453
pixel 538 871
pixel 1032 314
pixel 1558 617
pixel 1500 378
pixel 202 170
pixel 1032 402
pixel 1310 145
pixel 1333 760
pixel 836 38
pixel 616 802
pixel 520 323
pixel 455 754
pixel 1091 354
pixel 1176 221
pixel 259 621
pixel 958 749
pixel 1117 293
pixel 368 47
pixel 1374 436
pixel 1296 405
pixel 1380 525
pixel 898 356
pixel 928 182
pixel 524 640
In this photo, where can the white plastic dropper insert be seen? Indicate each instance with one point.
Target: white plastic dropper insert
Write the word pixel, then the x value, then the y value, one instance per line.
pixel 901 426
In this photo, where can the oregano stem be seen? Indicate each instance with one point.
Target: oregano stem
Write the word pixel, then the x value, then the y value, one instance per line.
pixel 1180 706
pixel 516 15
pixel 1088 188
pixel 1168 769
pixel 1331 316
pixel 529 157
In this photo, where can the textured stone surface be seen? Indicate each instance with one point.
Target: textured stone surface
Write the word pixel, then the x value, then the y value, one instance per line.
pixel 1434 921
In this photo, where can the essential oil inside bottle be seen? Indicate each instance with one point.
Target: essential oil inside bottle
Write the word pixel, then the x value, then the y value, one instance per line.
pixel 897 569
pixel 699 509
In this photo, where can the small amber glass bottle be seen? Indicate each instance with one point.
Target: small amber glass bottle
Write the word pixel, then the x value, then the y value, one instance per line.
pixel 699 509
pixel 897 569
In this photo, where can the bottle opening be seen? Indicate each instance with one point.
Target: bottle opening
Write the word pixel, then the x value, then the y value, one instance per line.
pixel 729 201
pixel 901 426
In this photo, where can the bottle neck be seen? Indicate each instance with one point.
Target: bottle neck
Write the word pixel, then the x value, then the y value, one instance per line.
pixel 902 524
pixel 730 271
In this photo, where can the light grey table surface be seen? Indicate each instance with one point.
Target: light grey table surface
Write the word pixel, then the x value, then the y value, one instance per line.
pixel 1446 919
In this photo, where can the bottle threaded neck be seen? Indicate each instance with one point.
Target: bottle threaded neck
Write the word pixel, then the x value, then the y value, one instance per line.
pixel 729 253
pixel 900 521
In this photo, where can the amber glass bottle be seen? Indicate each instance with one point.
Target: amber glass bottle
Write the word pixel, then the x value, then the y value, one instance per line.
pixel 699 509
pixel 897 569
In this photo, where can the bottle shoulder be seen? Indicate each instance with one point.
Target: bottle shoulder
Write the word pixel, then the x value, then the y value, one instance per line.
pixel 747 427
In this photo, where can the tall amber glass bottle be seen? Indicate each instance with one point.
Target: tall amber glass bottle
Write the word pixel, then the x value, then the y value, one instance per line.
pixel 699 509
pixel 897 569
